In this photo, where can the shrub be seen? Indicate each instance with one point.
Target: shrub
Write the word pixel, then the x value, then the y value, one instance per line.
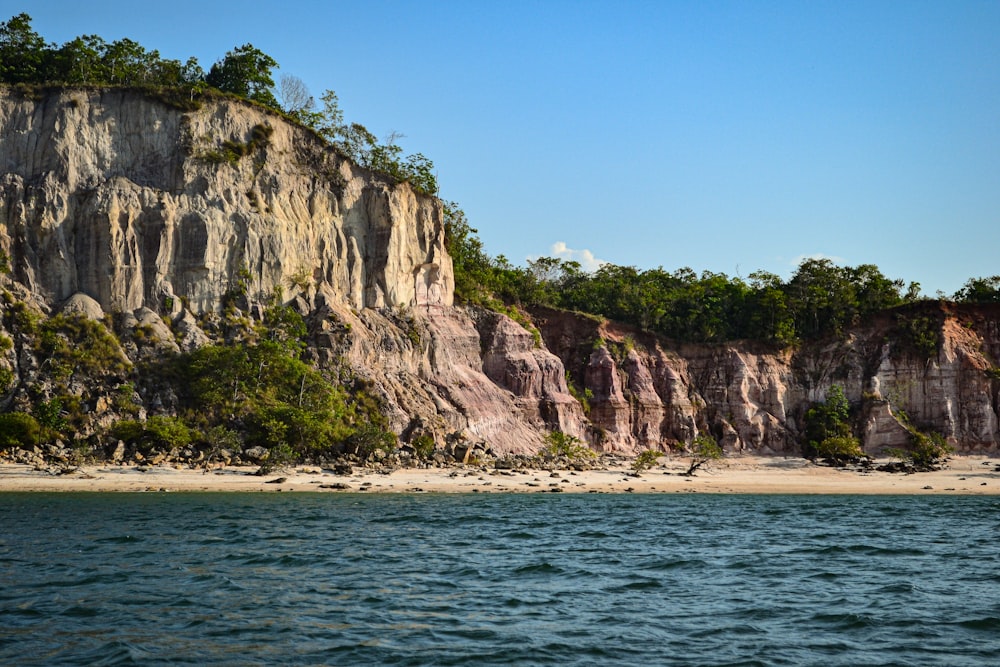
pixel 926 450
pixel 73 344
pixel 50 414
pixel 839 449
pixel 646 460
pixel 703 449
pixel 159 432
pixel 583 397
pixel 920 334
pixel 423 445
pixel 563 444
pixel 278 457
pixel 6 379
pixel 18 429
pixel 302 278
pixel 232 151
pixel 370 438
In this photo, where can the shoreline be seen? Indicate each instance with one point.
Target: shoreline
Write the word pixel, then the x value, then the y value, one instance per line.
pixel 961 475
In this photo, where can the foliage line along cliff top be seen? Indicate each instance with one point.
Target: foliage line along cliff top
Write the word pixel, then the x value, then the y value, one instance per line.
pixel 26 59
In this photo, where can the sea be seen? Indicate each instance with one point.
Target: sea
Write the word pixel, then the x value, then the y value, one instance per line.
pixel 498 579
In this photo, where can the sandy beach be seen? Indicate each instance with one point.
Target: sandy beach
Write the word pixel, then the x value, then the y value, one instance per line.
pixel 971 475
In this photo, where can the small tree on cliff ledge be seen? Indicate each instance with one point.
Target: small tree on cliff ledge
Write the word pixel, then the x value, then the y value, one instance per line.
pixel 703 449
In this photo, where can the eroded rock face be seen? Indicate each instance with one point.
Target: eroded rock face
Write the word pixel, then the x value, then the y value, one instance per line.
pixel 133 203
pixel 112 202
pixel 647 394
pixel 126 210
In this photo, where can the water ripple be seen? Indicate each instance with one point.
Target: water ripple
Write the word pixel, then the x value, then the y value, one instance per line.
pixel 304 579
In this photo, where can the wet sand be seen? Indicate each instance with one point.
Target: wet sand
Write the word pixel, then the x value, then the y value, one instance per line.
pixel 970 475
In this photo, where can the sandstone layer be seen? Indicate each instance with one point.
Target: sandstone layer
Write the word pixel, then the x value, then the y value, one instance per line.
pixel 646 392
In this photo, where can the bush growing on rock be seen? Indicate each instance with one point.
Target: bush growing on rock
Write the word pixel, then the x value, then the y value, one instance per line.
pixel 74 345
pixel 18 429
pixel 159 432
pixel 423 445
pixel 926 452
pixel 839 449
pixel 370 440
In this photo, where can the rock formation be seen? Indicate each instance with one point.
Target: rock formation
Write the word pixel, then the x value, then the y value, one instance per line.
pixel 114 202
pixel 647 393
pixel 126 209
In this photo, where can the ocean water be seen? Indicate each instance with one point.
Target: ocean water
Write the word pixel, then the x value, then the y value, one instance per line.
pixel 352 579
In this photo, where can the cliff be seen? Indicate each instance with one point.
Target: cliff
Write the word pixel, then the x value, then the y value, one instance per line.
pixel 112 202
pixel 646 392
pixel 134 203
pixel 154 222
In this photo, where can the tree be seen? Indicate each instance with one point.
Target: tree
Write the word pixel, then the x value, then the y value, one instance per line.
pixel 297 101
pixel 80 61
pixel 645 460
pixel 418 170
pixel 771 318
pixel 245 71
pixel 822 298
pixel 192 73
pixel 703 449
pixel 828 429
pixel 356 142
pixel 472 266
pixel 980 290
pixel 22 51
pixel 127 62
pixel 330 123
pixel 874 292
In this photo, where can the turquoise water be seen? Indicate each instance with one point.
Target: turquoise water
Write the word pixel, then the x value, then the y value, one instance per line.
pixel 324 579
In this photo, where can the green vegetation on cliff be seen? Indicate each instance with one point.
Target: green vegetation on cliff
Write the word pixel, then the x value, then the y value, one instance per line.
pixel 251 388
pixel 27 61
pixel 820 299
pixel 256 385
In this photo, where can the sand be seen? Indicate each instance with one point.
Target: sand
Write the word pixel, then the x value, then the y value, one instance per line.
pixel 968 475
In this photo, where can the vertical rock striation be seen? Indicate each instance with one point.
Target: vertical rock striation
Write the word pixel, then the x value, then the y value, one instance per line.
pixel 647 393
pixel 111 198
pixel 116 204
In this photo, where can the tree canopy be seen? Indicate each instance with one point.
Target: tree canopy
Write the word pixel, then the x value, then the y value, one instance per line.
pixel 819 299
pixel 245 71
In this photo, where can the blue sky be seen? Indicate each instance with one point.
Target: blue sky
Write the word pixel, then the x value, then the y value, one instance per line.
pixel 722 136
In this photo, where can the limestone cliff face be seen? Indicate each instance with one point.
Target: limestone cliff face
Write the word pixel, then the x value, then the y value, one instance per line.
pixel 647 393
pixel 113 202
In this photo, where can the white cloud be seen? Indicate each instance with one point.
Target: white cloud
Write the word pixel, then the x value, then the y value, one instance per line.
pixel 840 261
pixel 586 258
